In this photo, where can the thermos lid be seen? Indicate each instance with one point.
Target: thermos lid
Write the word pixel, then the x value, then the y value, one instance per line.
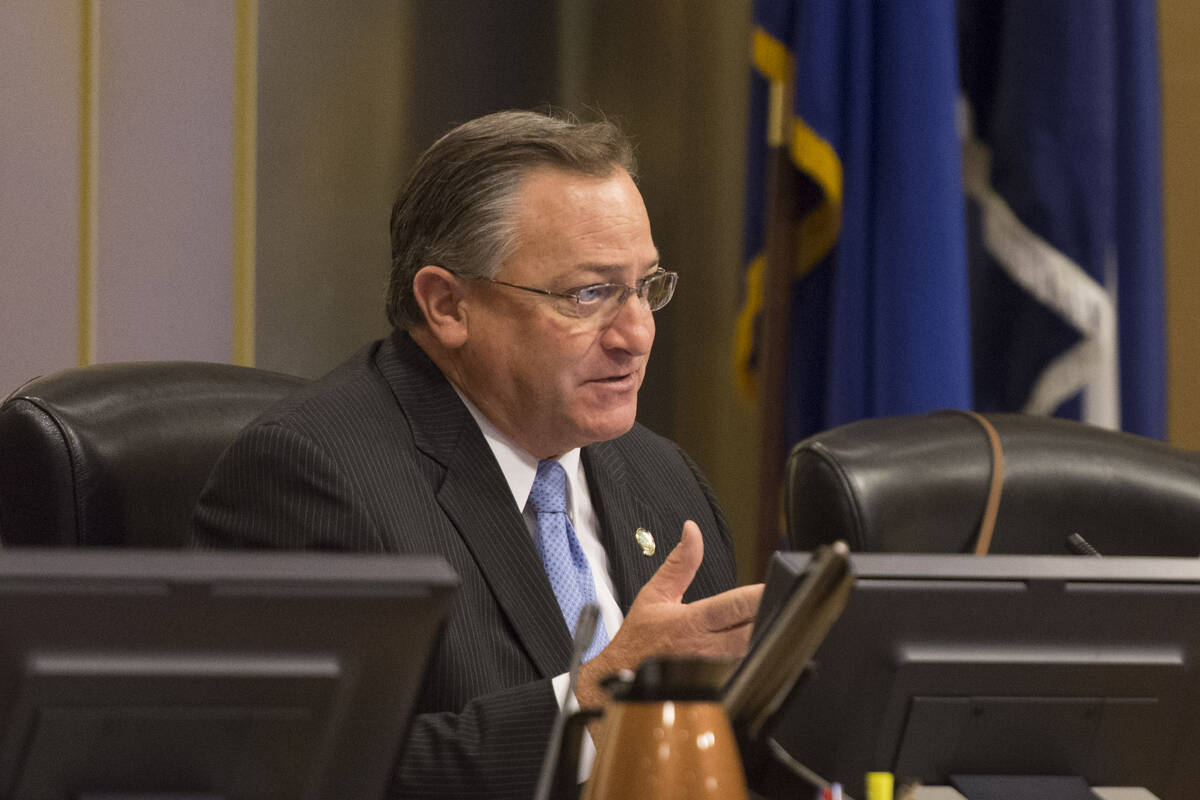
pixel 672 678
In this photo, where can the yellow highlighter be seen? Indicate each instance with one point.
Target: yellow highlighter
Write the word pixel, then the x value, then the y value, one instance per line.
pixel 879 786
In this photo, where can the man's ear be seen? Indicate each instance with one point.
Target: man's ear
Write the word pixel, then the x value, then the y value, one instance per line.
pixel 439 294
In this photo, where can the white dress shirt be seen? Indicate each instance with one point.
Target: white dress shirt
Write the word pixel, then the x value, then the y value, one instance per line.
pixel 520 469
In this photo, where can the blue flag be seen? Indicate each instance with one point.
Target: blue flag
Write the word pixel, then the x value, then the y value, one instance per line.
pixel 879 316
pixel 1039 289
pixel 1063 170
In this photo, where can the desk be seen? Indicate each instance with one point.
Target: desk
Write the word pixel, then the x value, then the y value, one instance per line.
pixel 1103 792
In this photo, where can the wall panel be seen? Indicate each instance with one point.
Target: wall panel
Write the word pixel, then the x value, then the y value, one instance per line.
pixel 39 177
pixel 332 93
pixel 164 186
pixel 1179 29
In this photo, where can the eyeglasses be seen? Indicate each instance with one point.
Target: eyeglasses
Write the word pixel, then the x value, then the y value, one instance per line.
pixel 602 300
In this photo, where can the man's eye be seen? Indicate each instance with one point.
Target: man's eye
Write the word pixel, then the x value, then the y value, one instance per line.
pixel 592 294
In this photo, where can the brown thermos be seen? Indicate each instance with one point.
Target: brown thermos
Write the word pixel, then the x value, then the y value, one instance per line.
pixel 667 736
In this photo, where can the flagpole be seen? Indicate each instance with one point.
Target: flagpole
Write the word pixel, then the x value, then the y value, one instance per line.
pixel 773 331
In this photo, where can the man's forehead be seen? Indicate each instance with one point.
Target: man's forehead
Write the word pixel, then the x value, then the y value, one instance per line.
pixel 597 223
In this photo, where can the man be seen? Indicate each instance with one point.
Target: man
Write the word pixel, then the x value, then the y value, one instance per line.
pixel 524 279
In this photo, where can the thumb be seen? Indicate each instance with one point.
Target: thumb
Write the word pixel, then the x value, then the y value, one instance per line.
pixel 672 579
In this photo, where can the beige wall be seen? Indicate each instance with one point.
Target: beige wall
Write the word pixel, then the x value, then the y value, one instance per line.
pixel 163 180
pixel 116 182
pixel 39 176
pixel 1179 27
pixel 331 103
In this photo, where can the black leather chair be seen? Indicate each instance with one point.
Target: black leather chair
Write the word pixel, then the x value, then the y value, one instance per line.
pixel 117 454
pixel 920 484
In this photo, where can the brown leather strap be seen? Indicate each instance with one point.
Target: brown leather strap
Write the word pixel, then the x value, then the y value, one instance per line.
pixel 983 541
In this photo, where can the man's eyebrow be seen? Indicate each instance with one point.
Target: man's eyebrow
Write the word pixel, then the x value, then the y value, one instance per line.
pixel 613 271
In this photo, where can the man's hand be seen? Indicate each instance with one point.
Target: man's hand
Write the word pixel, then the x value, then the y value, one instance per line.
pixel 660 623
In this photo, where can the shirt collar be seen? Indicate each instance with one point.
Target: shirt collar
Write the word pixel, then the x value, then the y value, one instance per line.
pixel 518 466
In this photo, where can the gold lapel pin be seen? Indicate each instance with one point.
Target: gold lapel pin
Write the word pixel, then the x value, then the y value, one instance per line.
pixel 645 540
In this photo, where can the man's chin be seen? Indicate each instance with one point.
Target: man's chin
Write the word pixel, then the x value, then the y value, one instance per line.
pixel 611 426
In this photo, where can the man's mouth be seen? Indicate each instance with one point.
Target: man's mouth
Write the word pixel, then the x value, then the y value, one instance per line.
pixel 619 381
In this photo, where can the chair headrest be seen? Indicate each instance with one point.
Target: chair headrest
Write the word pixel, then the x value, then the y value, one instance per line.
pixel 919 484
pixel 117 454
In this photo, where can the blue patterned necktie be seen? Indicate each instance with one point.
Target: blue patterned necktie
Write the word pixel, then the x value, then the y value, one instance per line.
pixel 562 557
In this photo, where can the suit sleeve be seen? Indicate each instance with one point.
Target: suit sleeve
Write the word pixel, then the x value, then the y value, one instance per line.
pixel 277 488
pixel 493 748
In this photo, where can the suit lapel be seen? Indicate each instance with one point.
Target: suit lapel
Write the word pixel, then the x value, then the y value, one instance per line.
pixel 476 498
pixel 621 513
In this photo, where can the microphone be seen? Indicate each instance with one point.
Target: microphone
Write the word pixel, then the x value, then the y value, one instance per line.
pixel 1080 546
pixel 585 629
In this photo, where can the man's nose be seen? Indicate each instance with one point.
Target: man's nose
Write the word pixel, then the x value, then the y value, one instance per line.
pixel 632 328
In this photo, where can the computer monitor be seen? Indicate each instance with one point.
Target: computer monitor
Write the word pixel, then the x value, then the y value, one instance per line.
pixel 215 675
pixel 945 665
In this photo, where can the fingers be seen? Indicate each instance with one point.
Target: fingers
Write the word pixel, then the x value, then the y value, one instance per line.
pixel 730 609
pixel 672 579
pixel 659 622
pixel 734 642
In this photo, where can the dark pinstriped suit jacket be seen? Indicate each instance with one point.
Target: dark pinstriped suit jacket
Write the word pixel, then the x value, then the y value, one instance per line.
pixel 381 455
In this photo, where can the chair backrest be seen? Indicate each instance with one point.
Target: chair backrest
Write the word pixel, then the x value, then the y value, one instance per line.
pixel 920 484
pixel 117 454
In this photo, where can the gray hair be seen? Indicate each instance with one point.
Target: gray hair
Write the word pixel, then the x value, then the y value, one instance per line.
pixel 458 208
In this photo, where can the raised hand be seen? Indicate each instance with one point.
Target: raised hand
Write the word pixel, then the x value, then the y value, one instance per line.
pixel 660 623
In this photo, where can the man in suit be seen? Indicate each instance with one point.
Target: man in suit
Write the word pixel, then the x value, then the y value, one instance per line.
pixel 524 280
